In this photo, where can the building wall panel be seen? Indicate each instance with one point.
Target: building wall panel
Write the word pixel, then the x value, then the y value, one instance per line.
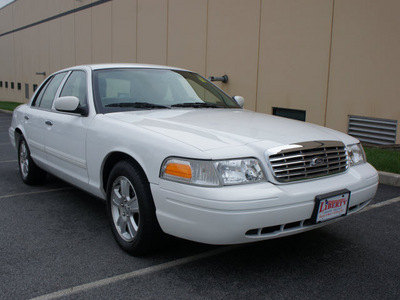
pixel 83 37
pixel 68 52
pixel 294 56
pixel 101 33
pixel 152 32
pixel 7 66
pixel 187 34
pixel 232 45
pixel 18 65
pixel 6 19
pixel 365 67
pixel 124 17
pixel 55 45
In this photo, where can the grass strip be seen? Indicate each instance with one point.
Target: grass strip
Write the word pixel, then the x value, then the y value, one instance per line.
pixel 8 105
pixel 387 160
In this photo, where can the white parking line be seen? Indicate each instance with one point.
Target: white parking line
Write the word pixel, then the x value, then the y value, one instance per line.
pixel 137 273
pixel 380 204
pixel 103 282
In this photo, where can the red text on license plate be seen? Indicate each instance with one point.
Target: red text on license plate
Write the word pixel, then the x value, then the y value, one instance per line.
pixel 332 207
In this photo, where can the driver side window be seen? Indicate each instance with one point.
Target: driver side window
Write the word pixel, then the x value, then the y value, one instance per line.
pixel 76 86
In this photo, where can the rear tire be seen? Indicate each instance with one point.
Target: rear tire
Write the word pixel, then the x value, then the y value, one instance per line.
pixel 131 210
pixel 30 173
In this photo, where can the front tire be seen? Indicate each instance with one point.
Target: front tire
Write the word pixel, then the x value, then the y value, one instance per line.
pixel 30 173
pixel 131 210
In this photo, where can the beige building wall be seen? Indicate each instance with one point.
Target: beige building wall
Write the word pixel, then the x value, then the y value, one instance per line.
pixel 294 56
pixel 232 46
pixel 123 31
pixel 152 28
pixel 187 34
pixel 365 64
pixel 331 58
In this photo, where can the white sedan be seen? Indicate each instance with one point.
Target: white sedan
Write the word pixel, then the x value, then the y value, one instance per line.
pixel 170 152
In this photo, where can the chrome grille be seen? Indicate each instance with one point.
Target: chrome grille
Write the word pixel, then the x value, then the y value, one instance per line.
pixel 308 160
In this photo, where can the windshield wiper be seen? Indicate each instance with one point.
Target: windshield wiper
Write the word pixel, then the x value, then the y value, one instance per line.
pixel 197 105
pixel 145 105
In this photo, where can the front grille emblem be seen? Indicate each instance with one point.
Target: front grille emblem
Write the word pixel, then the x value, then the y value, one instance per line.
pixel 317 161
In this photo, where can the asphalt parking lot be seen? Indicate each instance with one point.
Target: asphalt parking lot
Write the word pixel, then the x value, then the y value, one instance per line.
pixel 55 243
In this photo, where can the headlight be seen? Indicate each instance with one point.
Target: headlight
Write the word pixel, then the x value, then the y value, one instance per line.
pixel 356 154
pixel 212 173
pixel 239 171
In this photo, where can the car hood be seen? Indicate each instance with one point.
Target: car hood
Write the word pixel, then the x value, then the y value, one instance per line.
pixel 208 129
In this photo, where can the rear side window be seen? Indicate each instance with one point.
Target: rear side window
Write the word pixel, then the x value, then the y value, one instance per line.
pixel 40 95
pixel 76 86
pixel 46 96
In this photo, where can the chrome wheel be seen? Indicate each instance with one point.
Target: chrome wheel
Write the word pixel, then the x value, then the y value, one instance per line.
pixel 30 173
pixel 24 159
pixel 125 208
pixel 130 209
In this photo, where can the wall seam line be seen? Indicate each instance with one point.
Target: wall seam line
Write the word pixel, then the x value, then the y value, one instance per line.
pixel 137 31
pixel 206 53
pixel 329 65
pixel 167 37
pixel 258 55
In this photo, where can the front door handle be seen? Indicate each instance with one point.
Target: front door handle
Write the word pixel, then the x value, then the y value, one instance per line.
pixel 48 122
pixel 26 118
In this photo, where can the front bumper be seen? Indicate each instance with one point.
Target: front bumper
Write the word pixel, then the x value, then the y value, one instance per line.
pixel 247 213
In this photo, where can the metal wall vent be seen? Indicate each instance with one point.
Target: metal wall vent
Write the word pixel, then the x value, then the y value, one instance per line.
pixel 372 130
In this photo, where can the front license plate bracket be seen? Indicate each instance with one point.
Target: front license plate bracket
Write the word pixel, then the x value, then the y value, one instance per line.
pixel 331 206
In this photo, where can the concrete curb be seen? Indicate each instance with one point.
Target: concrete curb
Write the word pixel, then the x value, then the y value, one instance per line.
pixel 389 178
pixel 6 111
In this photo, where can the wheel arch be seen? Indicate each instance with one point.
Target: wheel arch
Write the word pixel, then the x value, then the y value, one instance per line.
pixel 114 158
pixel 17 134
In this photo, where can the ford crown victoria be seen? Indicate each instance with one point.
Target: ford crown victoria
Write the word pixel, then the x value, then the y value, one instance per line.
pixel 172 153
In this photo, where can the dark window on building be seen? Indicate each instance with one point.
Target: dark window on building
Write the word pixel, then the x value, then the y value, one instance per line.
pixel 19 86
pixel 1 83
pixel 34 87
pixel 12 85
pixel 6 84
pixel 26 91
pixel 295 114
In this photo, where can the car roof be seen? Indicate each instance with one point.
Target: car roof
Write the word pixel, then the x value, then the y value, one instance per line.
pixel 121 66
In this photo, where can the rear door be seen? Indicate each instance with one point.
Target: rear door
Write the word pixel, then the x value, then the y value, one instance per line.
pixel 35 120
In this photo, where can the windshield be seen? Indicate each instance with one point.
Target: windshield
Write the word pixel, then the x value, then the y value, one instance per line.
pixel 133 89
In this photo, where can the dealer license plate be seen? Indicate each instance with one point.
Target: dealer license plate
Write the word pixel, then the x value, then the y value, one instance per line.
pixel 331 206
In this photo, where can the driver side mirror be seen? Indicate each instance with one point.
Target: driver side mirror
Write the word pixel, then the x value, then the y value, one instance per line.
pixel 239 100
pixel 69 104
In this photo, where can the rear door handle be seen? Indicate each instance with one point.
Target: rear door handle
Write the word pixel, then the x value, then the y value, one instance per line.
pixel 48 122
